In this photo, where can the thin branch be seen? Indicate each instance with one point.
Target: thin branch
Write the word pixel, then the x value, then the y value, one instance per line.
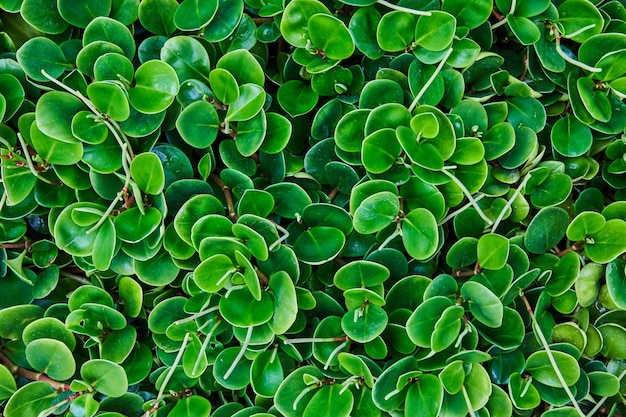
pixel 227 195
pixel 403 9
pixel 555 366
pixel 34 376
pixel 430 80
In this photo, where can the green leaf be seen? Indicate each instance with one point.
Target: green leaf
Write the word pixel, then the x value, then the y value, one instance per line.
pixel 157 16
pixel 484 304
pixel 147 171
pixel 420 234
pixel 39 54
pixel 156 86
pixel 421 323
pixel 132 226
pixel 242 310
pixel 30 400
pixel 376 212
pixel 294 23
pixel 187 56
pixel 194 14
pixel 43 16
pixel 250 101
pixel 51 357
pixel 285 302
pixel 198 124
pixel 266 374
pixel 570 137
pixel 7 383
pixel 607 244
pixel 225 21
pixel 319 244
pixel 329 35
pixel 595 101
pixel 524 29
pixel 297 98
pixel 104 376
pixel 105 242
pixel 363 324
pixel 435 32
pixel 546 229
pixel 493 251
pixel 575 15
pixel 224 86
pixel 469 15
pixel 395 31
pixel 527 112
pixel 330 400
pixel 424 397
pixel 538 365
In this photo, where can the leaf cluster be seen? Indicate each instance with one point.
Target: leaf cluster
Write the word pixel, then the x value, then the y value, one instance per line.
pixel 312 208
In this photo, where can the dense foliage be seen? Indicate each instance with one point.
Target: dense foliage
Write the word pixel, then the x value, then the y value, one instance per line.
pixel 312 208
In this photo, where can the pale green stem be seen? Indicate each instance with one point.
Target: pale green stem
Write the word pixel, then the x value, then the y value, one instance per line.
pixel 403 9
pixel 29 161
pixel 470 409
pixel 391 394
pixel 334 353
pixel 579 31
pixel 348 382
pixel 465 331
pixel 572 60
pixel 555 366
pixel 462 209
pixel 195 316
pixel 526 386
pixel 244 347
pixel 118 197
pixel 285 235
pixel 468 195
pixel 3 200
pixel 301 395
pixel 233 288
pixel 172 369
pixel 110 124
pixel 430 80
pixel 391 237
pixel 509 203
pixel 503 21
pixel 498 24
pixel 205 345
pixel 313 340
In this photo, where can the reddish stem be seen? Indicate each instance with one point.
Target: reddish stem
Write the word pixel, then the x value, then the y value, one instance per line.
pixel 34 376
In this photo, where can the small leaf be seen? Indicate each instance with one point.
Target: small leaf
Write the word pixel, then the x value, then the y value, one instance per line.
pixel 483 304
pixel 147 171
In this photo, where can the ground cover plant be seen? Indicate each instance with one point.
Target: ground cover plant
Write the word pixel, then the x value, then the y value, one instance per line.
pixel 312 208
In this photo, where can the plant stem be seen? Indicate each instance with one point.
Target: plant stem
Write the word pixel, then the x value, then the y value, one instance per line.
pixel 205 345
pixel 430 80
pixel 314 340
pixel 227 195
pixel 391 237
pixel 29 161
pixel 571 60
pixel 468 195
pixel 403 9
pixel 34 376
pixel 195 316
pixel 546 346
pixel 498 24
pixel 244 347
pixel 334 353
pixel 118 197
pixel 470 409
pixel 110 124
pixel 3 200
pixel 169 375
pixel 510 203
pixel 462 209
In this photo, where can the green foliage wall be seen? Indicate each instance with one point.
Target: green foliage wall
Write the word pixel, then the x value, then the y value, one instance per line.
pixel 312 208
